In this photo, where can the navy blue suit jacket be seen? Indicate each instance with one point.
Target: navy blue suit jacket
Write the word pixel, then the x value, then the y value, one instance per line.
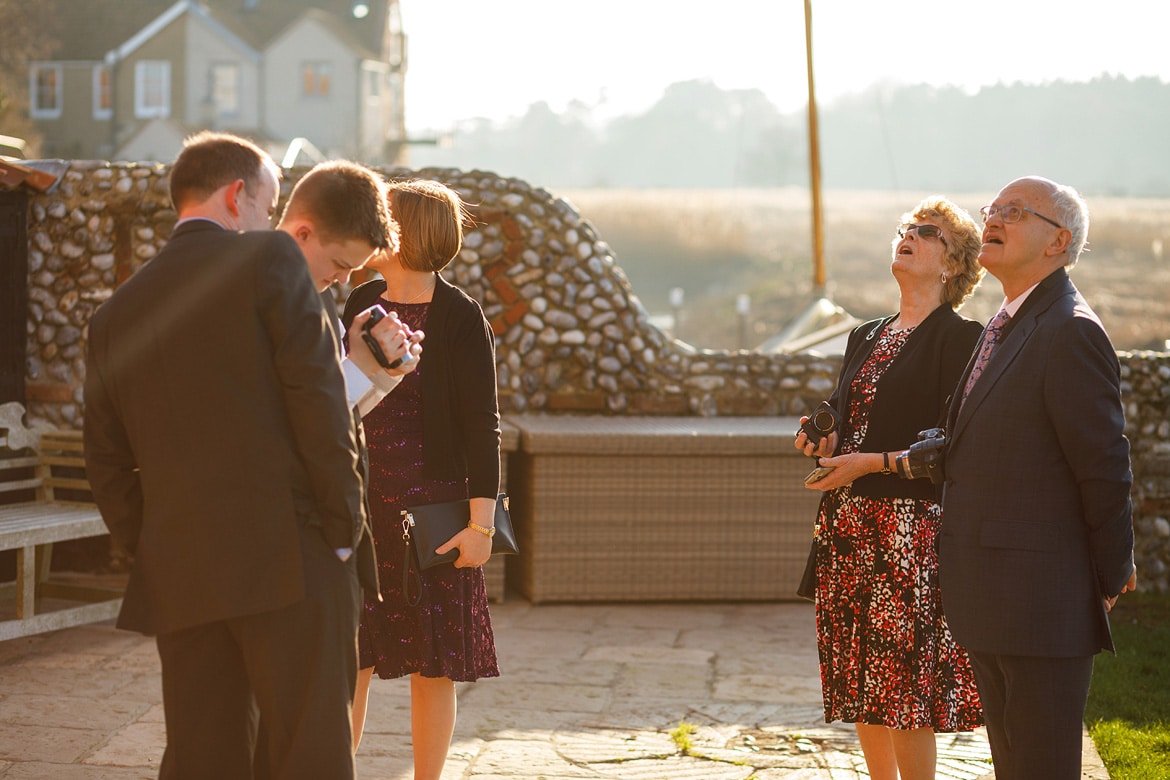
pixel 1037 524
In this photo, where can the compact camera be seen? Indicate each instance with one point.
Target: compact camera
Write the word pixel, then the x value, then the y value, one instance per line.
pixel 820 423
pixel 925 456
pixel 377 313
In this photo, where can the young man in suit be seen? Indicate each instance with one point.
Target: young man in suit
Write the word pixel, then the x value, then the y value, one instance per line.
pixel 1037 535
pixel 221 450
pixel 329 203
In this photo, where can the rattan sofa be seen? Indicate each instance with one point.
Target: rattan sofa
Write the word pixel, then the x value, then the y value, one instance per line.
pixel 611 508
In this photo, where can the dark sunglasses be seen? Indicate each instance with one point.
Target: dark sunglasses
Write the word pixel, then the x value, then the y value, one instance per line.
pixel 924 231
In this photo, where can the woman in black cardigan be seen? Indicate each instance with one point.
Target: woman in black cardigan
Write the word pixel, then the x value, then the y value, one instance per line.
pixel 888 662
pixel 436 438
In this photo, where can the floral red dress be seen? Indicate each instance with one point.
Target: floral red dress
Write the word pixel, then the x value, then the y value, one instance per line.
pixel 887 656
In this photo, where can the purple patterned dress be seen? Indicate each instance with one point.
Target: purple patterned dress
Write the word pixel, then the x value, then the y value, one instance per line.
pixel 887 656
pixel 449 633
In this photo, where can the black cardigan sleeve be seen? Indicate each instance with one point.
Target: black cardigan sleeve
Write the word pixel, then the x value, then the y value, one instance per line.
pixel 461 418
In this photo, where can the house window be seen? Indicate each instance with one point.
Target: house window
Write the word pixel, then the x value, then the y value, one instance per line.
pixel 152 89
pixel 45 89
pixel 102 97
pixel 225 88
pixel 315 79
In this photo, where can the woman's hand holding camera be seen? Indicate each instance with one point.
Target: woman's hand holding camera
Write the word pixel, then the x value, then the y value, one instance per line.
pixel 817 437
pixel 824 448
pixel 817 434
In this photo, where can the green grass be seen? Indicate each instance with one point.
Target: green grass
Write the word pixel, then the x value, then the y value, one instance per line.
pixel 1129 702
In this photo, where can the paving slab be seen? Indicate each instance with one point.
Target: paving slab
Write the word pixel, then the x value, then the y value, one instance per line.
pixel 633 691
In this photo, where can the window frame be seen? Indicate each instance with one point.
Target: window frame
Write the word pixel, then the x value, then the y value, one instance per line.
pixel 318 67
pixel 141 109
pixel 237 76
pixel 100 112
pixel 35 109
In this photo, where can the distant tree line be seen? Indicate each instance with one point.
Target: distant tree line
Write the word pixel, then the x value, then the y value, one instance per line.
pixel 1106 136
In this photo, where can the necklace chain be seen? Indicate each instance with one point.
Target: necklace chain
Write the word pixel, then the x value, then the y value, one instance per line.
pixel 421 294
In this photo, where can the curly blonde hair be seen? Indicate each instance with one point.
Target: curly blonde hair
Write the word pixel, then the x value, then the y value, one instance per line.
pixel 964 238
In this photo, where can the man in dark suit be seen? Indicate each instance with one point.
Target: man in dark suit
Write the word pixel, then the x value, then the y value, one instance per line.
pixel 221 450
pixel 1037 535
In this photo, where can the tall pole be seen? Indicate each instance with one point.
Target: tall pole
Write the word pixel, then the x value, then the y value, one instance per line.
pixel 814 163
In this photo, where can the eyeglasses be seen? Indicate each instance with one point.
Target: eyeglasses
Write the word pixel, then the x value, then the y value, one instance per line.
pixel 924 231
pixel 1011 213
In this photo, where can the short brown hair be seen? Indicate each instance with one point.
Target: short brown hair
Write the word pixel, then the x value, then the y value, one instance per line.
pixel 964 239
pixel 430 217
pixel 344 200
pixel 211 160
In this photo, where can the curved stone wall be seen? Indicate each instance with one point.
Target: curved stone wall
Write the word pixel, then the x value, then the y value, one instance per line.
pixel 571 334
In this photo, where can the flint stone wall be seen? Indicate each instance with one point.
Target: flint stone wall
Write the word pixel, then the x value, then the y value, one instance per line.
pixel 571 334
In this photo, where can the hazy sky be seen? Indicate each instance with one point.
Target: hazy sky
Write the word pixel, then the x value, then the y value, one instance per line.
pixel 493 58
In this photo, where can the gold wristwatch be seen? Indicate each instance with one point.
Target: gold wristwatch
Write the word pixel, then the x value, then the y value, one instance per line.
pixel 488 532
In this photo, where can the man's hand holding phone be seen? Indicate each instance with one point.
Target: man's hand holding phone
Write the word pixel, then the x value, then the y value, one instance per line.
pixel 379 341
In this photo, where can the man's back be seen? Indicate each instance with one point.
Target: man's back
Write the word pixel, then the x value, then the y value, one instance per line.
pixel 213 371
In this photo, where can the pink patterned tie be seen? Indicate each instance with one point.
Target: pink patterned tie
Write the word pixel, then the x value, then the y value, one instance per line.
pixel 990 337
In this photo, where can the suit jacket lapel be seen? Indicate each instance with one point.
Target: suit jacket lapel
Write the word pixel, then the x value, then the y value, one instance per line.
pixel 331 313
pixel 367 566
pixel 957 396
pixel 1005 354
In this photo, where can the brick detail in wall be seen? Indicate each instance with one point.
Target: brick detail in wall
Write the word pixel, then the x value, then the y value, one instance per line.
pixel 48 392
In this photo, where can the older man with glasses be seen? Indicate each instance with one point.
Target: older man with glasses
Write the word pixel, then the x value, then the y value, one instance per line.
pixel 1037 534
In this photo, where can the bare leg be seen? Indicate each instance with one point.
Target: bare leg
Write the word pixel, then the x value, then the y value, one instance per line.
pixel 916 751
pixel 432 722
pixel 361 698
pixel 878 748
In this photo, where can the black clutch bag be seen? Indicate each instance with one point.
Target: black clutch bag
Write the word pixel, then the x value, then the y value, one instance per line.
pixel 431 525
pixel 807 589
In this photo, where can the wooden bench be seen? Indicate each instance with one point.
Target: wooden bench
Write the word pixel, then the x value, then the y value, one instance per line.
pixel 613 508
pixel 43 499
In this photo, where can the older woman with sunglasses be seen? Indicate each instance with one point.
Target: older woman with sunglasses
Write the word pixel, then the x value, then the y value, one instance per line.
pixel 888 662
